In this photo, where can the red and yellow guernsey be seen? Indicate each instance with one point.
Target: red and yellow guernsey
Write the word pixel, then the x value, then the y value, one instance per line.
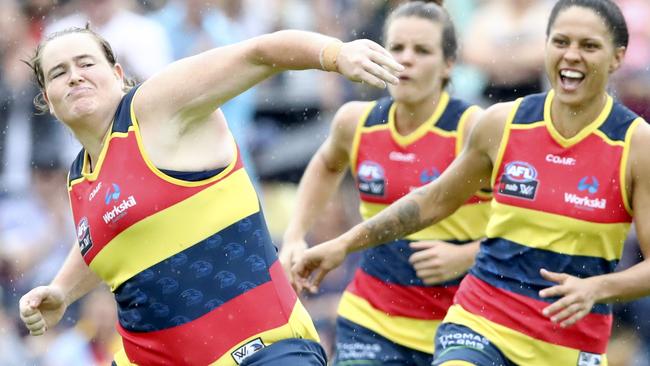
pixel 191 263
pixel 559 204
pixel 385 294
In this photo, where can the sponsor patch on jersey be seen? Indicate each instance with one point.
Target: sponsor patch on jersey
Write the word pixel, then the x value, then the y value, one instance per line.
pixel 463 339
pixel 402 157
pixel 560 160
pixel 94 192
pixel 584 199
pixel 83 235
pixel 589 359
pixel 519 180
pixel 119 209
pixel 247 349
pixel 372 179
pixel 429 175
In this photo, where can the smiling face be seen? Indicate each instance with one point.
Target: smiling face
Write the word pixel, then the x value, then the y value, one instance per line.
pixel 580 56
pixel 416 43
pixel 78 79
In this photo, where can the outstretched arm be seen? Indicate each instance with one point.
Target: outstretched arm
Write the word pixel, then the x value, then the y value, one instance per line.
pixel 320 180
pixel 195 86
pixel 417 210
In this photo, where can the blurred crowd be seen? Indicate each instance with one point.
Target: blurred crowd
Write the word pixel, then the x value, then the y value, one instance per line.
pixel 279 125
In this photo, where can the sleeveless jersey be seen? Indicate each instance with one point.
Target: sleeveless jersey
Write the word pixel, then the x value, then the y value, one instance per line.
pixel 191 263
pixel 385 295
pixel 560 204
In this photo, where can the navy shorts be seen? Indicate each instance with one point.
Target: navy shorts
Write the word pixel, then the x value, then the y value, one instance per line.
pixel 288 352
pixel 459 343
pixel 356 345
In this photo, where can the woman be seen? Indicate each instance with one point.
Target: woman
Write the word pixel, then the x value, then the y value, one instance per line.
pixel 401 292
pixel 165 212
pixel 567 168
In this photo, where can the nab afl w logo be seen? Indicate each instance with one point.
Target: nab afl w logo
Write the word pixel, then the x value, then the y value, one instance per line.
pixel 519 180
pixel 371 178
pixel 83 235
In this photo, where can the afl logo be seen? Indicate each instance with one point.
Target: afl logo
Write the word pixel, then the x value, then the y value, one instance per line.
pixel 520 171
pixel 369 171
pixel 83 235
pixel 371 178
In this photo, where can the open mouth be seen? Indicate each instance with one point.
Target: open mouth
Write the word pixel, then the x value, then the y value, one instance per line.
pixel 570 80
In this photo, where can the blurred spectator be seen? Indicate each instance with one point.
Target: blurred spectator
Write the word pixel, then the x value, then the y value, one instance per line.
pixel 12 350
pixel 24 134
pixel 506 42
pixel 632 81
pixel 35 230
pixel 93 341
pixel 140 44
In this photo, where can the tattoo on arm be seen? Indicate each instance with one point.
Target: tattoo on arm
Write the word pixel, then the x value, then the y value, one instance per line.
pixel 395 222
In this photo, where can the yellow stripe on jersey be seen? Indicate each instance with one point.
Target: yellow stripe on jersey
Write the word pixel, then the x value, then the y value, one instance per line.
pixel 467 223
pixel 590 128
pixel 299 326
pixel 412 333
pixel 557 233
pixel 354 151
pixel 504 141
pixel 121 359
pixel 607 140
pixel 132 248
pixel 528 126
pixel 517 347
pixel 460 129
pixel 428 125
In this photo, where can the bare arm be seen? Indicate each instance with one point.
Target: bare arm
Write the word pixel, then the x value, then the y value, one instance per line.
pixel 44 306
pixel 435 201
pixel 75 278
pixel 325 171
pixel 634 282
pixel 194 87
pixel 417 210
pixel 320 180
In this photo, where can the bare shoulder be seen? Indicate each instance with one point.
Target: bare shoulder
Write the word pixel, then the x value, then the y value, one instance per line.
pixel 346 120
pixel 488 129
pixel 639 157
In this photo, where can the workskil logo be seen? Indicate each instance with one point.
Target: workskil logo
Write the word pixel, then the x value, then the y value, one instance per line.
pixel 587 185
pixel 119 209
